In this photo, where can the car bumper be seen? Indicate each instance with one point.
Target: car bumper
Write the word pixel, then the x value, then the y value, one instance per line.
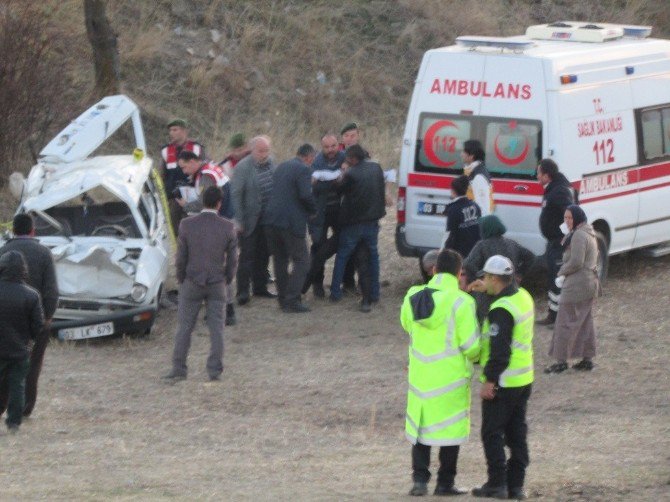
pixel 134 320
pixel 404 249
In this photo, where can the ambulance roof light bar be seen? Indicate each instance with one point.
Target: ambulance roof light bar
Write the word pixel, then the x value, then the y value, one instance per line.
pixel 581 31
pixel 473 42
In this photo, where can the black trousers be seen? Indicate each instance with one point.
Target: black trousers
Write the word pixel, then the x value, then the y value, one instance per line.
pixel 504 424
pixel 252 265
pixel 36 359
pixel 287 248
pixel 554 255
pixel 421 461
pixel 325 248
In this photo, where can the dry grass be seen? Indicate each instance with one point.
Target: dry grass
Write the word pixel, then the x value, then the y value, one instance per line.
pixel 312 407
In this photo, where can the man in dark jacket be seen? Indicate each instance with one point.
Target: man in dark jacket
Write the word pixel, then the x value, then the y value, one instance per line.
pixel 462 219
pixel 326 169
pixel 558 195
pixel 21 320
pixel 363 205
pixel 42 277
pixel 290 206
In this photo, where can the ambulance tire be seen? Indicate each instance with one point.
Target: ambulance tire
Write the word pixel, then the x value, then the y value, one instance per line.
pixel 602 264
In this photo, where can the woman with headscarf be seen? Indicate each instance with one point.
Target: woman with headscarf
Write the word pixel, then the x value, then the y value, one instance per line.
pixel 574 334
pixel 493 243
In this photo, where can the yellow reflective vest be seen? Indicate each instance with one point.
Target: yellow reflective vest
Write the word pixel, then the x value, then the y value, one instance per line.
pixel 519 371
pixel 444 341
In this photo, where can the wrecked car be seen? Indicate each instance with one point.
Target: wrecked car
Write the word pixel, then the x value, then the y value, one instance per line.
pixel 103 219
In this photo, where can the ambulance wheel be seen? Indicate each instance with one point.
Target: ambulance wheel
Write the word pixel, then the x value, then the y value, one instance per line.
pixel 602 264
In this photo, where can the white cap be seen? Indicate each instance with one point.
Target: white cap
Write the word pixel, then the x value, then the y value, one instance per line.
pixel 497 265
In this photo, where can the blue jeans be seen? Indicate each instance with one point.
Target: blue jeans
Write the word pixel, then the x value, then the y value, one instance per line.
pixel 350 236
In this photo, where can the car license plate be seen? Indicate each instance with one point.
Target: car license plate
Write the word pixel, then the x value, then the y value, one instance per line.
pixel 82 332
pixel 432 209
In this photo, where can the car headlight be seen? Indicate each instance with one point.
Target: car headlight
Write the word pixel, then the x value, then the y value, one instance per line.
pixel 138 293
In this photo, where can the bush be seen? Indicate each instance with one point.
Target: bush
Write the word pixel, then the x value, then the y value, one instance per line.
pixel 31 90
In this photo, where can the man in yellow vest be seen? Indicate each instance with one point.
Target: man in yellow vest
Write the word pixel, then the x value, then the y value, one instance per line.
pixel 507 376
pixel 444 340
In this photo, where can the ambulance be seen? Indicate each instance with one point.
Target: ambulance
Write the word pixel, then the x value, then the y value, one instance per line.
pixel 594 97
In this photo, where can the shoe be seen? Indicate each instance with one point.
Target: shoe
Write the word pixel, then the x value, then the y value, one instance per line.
pixel 492 492
pixel 265 294
pixel 419 489
pixel 12 428
pixel 517 494
pixel 547 321
pixel 215 378
pixel 296 308
pixel 318 291
pixel 556 368
pixel 365 307
pixel 242 300
pixel 583 365
pixel 334 299
pixel 173 376
pixel 231 320
pixel 448 491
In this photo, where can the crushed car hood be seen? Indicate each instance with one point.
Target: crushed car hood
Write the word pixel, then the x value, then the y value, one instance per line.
pixel 86 271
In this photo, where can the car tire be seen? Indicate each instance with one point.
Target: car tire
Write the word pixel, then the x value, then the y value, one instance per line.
pixel 602 263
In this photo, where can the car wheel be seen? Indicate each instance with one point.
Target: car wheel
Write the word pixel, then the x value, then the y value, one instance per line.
pixel 602 263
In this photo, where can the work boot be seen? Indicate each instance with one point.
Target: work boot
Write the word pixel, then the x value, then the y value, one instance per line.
pixel 419 489
pixel 231 320
pixel 492 492
pixel 517 494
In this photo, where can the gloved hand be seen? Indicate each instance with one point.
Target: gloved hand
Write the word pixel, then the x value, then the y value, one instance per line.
pixel 559 281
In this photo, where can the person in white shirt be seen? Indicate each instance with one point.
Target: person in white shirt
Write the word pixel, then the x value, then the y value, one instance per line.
pixel 481 189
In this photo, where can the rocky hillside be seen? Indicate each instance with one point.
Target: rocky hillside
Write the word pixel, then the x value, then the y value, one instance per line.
pixel 289 68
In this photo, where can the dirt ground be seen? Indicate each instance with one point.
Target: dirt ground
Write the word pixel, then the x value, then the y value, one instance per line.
pixel 312 407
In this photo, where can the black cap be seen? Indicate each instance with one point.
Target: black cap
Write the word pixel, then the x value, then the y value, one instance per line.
pixel 349 127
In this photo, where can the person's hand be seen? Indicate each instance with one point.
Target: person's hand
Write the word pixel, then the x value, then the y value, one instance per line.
pixel 181 202
pixel 488 391
pixel 476 285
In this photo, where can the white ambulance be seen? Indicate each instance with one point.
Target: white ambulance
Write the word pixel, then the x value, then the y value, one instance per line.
pixel 594 97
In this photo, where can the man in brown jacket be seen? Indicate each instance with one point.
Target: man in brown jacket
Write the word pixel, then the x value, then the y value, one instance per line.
pixel 206 263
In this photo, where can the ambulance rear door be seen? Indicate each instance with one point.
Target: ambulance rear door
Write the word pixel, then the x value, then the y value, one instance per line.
pixel 436 141
pixel 513 127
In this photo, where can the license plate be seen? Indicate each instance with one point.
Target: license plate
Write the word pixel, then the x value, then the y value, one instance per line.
pixel 432 209
pixel 82 332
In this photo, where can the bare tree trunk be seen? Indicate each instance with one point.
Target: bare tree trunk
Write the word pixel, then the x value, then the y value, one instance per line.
pixel 105 52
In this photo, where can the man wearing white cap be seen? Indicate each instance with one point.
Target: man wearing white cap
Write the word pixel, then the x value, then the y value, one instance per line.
pixel 507 376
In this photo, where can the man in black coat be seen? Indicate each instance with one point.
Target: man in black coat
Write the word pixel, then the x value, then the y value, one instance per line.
pixel 558 195
pixel 462 219
pixel 21 320
pixel 42 277
pixel 363 205
pixel 290 206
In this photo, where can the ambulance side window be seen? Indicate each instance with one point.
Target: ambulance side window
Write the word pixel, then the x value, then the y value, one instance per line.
pixel 652 133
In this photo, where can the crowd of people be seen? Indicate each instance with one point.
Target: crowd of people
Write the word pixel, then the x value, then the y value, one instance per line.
pixel 473 289
pixel 336 195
